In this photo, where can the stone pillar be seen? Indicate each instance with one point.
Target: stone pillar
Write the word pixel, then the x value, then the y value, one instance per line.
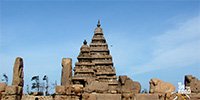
pixel 66 71
pixel 18 74
pixel 63 92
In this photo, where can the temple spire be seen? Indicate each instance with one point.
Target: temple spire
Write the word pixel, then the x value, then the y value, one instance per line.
pixel 98 25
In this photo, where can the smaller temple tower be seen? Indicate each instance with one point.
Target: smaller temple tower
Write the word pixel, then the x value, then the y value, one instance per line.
pixel 84 69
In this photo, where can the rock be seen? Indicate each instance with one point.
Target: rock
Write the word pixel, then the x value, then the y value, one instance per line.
pixel 158 86
pixel 66 71
pixel 2 87
pixel 193 83
pixel 126 85
pixel 18 73
pixel 95 86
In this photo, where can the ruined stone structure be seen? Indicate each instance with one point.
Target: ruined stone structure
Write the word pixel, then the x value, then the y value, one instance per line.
pixel 95 77
pixel 15 91
pixel 94 72
pixel 193 83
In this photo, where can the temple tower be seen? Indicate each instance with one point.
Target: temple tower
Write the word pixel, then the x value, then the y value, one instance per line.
pixel 101 56
pixel 84 69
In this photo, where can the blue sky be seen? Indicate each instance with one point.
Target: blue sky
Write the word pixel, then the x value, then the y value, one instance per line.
pixel 149 38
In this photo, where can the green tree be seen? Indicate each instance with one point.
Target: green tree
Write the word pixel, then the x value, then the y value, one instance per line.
pixel 45 78
pixel 36 83
pixel 5 78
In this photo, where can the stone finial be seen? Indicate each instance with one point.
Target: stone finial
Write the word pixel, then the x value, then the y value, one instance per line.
pixel 66 71
pixel 99 24
pixel 18 73
pixel 85 42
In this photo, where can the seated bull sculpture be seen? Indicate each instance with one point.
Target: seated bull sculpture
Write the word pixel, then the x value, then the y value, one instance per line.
pixel 127 85
pixel 159 86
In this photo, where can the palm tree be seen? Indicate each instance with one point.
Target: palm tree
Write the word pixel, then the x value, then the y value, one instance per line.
pixel 45 78
pixel 27 89
pixel 36 84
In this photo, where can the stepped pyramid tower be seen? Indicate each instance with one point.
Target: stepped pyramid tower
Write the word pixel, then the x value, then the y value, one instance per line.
pixel 94 61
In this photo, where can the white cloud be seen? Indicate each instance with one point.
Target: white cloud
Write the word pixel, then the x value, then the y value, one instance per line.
pixel 178 47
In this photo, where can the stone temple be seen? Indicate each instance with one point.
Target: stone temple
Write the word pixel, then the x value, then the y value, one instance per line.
pixel 95 62
pixel 95 78
pixel 94 72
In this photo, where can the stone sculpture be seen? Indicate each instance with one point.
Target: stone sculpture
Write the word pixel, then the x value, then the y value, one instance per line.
pixel 193 83
pixel 159 86
pixel 126 85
